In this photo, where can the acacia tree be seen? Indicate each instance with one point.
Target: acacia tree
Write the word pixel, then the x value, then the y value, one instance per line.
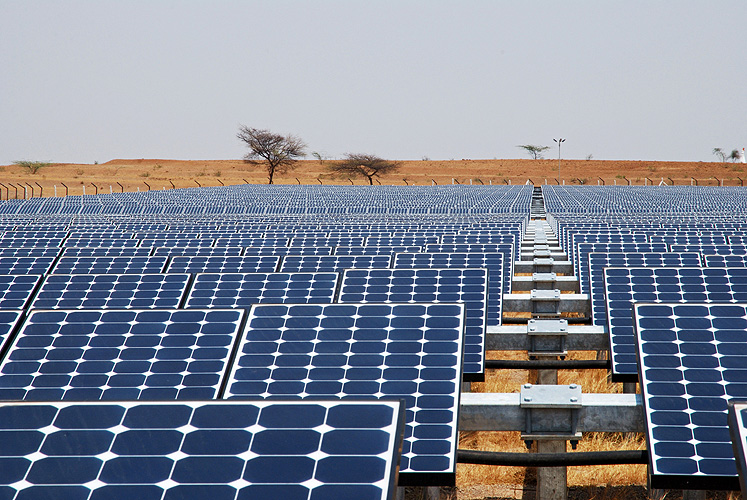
pixel 278 152
pixel 534 151
pixel 364 165
pixel 720 153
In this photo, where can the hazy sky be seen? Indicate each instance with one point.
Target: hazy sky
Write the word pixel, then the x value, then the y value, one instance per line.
pixel 85 81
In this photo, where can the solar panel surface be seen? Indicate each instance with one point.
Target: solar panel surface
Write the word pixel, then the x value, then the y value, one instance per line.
pixel 200 449
pixel 738 431
pixel 692 363
pixel 404 351
pixel 120 354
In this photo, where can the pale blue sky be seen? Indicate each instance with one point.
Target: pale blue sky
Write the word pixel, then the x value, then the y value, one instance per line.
pixel 93 80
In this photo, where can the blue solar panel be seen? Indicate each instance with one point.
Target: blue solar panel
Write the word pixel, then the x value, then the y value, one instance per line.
pixel 177 242
pixel 245 290
pixel 725 260
pixel 16 290
pixel 333 263
pixel 196 251
pixel 30 242
pixel 403 351
pixel 341 241
pixel 598 261
pixel 493 262
pixel 738 431
pixel 100 243
pixel 221 264
pixel 402 241
pixel 506 249
pixel 107 252
pixel 710 249
pixel 110 265
pixel 30 252
pixel 26 265
pixel 242 241
pixel 197 450
pixel 625 286
pixel 375 250
pixel 120 354
pixel 111 291
pixel 287 251
pixel 677 239
pixel 692 359
pixel 584 249
pixel 8 322
pixel 468 286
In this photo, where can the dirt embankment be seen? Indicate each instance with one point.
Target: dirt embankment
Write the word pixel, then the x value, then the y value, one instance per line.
pixel 144 174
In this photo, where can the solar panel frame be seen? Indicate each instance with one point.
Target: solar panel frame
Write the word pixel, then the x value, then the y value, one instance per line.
pixel 120 354
pixel 333 263
pixel 16 290
pixel 280 348
pixel 691 363
pixel 114 265
pixel 222 264
pixel 202 449
pixel 725 260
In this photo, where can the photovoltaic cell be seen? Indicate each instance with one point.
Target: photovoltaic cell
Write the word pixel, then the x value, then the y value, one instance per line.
pixel 110 265
pixel 376 250
pixel 120 354
pixel 224 264
pixel 222 450
pixel 333 263
pixel 725 260
pixel 598 261
pixel 584 249
pixel 107 252
pixel 245 290
pixel 493 262
pixel 626 286
pixel 738 431
pixel 8 321
pixel 25 265
pixel 287 251
pixel 196 251
pixel 507 249
pixel 16 290
pixel 30 252
pixel 111 291
pixel 467 286
pixel 692 362
pixel 402 351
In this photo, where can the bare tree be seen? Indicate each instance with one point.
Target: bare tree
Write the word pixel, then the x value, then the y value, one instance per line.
pixel 534 151
pixel 364 165
pixel 720 154
pixel 278 152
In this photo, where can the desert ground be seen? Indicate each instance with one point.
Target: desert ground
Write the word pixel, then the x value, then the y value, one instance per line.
pixel 144 174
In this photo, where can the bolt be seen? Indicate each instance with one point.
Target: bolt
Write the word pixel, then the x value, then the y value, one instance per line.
pixel 573 386
pixel 527 386
pixel 527 398
pixel 574 400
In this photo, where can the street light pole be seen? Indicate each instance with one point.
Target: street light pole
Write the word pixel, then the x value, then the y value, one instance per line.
pixel 559 141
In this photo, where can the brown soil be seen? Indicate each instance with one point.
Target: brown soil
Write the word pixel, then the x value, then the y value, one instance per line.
pixel 147 174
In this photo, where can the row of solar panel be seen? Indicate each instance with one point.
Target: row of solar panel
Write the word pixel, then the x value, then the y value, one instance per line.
pixel 410 352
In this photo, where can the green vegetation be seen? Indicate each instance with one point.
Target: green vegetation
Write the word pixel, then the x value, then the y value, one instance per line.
pixel 534 151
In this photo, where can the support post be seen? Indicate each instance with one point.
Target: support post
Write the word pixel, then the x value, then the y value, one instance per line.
pixel 121 188
pixel 41 190
pixel 552 482
pixel 66 189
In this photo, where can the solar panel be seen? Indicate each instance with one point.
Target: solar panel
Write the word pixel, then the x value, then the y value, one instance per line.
pixel 584 249
pixel 107 252
pixel 328 242
pixel 692 364
pixel 120 354
pixel 16 290
pixel 111 291
pixel 710 249
pixel 402 241
pixel 506 249
pixel 598 261
pixel 725 260
pixel 625 286
pixel 403 351
pixel 493 262
pixel 26 265
pixel 245 290
pixel 196 251
pixel 30 252
pixel 177 242
pixel 201 449
pixel 100 243
pixel 376 250
pixel 8 321
pixel 738 431
pixel 30 242
pixel 223 264
pixel 110 265
pixel 333 263
pixel 242 241
pixel 287 251
pixel 467 286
